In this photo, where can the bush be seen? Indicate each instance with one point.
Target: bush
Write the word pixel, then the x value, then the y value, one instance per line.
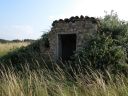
pixel 31 54
pixel 45 40
pixel 108 49
pixel 112 26
pixel 101 53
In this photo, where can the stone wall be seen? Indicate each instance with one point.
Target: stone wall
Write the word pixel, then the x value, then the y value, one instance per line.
pixel 83 27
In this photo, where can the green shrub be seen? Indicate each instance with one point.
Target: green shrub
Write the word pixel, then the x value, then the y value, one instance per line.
pixel 108 49
pixel 45 40
pixel 31 54
pixel 112 26
pixel 101 53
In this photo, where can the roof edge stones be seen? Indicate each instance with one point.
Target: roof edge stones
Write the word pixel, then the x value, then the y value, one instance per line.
pixel 75 19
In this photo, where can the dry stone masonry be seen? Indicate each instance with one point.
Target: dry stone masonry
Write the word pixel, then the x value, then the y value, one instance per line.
pixel 68 35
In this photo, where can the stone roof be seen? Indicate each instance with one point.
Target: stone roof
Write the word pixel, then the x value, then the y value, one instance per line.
pixel 75 19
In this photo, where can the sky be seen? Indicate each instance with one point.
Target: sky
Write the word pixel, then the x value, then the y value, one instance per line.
pixel 29 19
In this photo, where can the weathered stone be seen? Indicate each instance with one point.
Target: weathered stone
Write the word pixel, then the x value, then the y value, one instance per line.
pixel 83 27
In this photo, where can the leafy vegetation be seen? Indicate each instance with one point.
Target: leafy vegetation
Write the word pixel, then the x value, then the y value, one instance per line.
pixel 45 40
pixel 107 50
pixel 31 54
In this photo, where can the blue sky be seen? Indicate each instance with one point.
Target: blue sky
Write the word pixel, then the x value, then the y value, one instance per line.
pixel 20 19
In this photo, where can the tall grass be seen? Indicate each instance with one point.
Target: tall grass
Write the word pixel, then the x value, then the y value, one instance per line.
pixel 58 82
pixel 7 47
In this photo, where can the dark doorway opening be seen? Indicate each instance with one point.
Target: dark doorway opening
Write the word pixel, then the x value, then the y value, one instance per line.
pixel 67 46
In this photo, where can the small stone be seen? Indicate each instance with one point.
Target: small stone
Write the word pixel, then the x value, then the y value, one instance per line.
pixel 54 22
pixel 66 20
pixel 93 20
pixel 61 20
pixel 81 17
pixel 86 17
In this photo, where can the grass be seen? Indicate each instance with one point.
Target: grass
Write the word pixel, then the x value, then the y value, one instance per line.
pixel 8 47
pixel 58 82
pixel 46 83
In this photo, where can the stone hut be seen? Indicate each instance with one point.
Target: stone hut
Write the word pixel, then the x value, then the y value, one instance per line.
pixel 68 35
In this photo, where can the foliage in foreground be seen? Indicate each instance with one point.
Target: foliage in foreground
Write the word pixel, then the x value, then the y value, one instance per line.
pixel 31 53
pixel 5 48
pixel 108 49
pixel 60 83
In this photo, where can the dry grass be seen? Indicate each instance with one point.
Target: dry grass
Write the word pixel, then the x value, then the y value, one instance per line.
pixel 46 83
pixel 8 47
pixel 43 82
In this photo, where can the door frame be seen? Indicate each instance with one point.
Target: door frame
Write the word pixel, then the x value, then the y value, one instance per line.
pixel 59 49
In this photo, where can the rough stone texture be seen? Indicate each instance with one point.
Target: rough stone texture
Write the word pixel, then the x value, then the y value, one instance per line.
pixel 83 27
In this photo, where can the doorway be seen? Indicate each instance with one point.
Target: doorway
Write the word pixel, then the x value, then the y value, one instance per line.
pixel 67 46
